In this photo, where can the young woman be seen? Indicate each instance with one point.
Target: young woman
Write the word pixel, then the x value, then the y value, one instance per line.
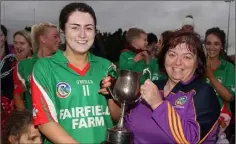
pixel 182 109
pixel 66 103
pixel 221 75
pixel 20 129
pixel 22 45
pixel 45 41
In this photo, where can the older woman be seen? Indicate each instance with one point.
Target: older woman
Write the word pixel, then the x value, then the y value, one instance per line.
pixel 182 109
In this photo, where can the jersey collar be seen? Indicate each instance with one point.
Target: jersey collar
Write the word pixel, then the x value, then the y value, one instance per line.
pixel 59 57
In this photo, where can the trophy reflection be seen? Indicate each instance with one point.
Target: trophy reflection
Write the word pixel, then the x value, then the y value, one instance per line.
pixel 125 91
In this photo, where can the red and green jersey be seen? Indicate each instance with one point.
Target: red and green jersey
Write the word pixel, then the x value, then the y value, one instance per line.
pixel 21 77
pixel 64 94
pixel 225 73
pixel 126 61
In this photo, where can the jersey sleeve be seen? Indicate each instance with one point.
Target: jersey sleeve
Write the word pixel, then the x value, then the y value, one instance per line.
pixel 190 127
pixel 19 82
pixel 126 62
pixel 44 110
pixel 230 79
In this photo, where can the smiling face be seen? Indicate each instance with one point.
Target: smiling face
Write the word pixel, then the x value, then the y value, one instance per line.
pixel 180 63
pixel 51 39
pixel 213 46
pixel 80 32
pixel 22 47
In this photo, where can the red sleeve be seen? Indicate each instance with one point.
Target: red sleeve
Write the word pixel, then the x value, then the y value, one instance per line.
pixel 18 85
pixel 43 106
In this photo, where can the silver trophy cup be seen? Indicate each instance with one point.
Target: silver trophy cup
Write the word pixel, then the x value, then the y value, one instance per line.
pixel 125 91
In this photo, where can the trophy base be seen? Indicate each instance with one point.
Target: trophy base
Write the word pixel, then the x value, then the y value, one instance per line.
pixel 117 135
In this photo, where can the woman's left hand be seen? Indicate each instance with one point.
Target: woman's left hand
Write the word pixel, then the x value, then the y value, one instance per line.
pixel 151 94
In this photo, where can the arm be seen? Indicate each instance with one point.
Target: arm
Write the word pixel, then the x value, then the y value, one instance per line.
pixel 194 124
pixel 18 89
pixel 44 111
pixel 126 62
pixel 56 133
pixel 224 90
pixel 114 109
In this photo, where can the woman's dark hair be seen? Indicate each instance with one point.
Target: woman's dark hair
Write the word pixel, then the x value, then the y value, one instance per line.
pixel 194 44
pixel 151 38
pixel 221 35
pixel 166 35
pixel 72 7
pixel 4 31
pixel 16 124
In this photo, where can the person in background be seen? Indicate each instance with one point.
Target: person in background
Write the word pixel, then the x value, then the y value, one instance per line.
pixel 188 24
pixel 183 109
pixel 134 56
pixel 221 75
pixel 45 42
pixel 152 51
pixel 152 44
pixel 66 104
pixel 7 63
pixel 19 129
pixel 162 42
pixel 165 36
pixel 22 45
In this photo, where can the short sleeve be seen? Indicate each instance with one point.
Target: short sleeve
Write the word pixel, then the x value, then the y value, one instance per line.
pixel 44 110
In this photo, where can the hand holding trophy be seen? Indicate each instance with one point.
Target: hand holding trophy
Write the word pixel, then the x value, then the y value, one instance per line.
pixel 125 91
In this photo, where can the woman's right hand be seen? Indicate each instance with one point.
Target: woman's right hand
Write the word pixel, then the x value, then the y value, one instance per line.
pixel 105 83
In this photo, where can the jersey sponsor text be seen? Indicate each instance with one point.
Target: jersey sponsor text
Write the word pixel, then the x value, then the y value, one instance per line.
pixel 85 117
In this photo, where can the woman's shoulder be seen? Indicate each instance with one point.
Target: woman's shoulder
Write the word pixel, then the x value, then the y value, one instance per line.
pixel 204 93
pixel 227 65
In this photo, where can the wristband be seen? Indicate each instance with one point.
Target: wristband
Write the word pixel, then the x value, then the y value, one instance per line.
pixel 108 96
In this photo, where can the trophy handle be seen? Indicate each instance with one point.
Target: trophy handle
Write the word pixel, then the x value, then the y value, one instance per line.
pixel 111 66
pixel 107 74
pixel 147 70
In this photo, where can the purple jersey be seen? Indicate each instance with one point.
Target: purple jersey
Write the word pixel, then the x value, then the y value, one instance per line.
pixel 188 114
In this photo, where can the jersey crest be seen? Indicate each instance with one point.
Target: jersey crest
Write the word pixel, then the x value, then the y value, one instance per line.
pixel 63 89
pixel 181 101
